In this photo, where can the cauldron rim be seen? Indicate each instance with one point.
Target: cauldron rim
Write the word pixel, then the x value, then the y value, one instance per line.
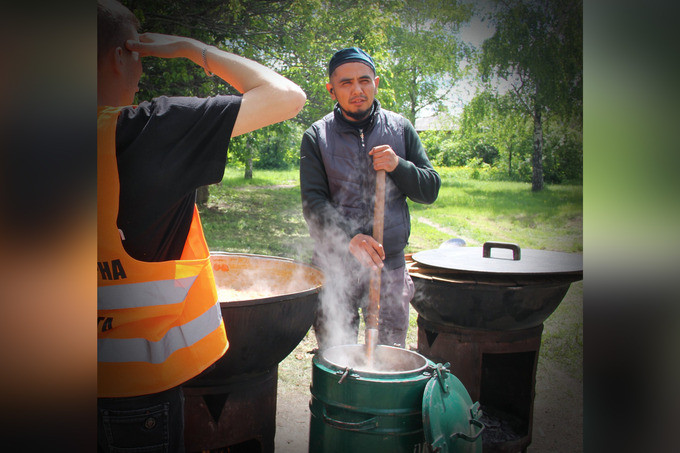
pixel 321 357
pixel 269 300
pixel 316 288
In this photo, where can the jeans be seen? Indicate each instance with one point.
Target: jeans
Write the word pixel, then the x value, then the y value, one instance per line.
pixel 151 423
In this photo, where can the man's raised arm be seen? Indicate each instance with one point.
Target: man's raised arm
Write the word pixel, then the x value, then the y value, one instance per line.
pixel 268 97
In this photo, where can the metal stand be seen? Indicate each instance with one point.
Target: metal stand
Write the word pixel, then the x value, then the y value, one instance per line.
pixel 239 416
pixel 498 369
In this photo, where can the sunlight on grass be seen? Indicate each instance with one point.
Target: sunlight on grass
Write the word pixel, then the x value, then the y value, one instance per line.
pixel 264 214
pixel 481 211
pixel 260 216
pixel 234 177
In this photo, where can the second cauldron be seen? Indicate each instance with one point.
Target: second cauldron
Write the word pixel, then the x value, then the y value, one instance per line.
pixel 495 287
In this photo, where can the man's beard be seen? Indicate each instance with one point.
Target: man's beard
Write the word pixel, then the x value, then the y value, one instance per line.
pixel 357 116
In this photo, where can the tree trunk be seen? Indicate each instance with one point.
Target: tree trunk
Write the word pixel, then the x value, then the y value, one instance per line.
pixel 249 161
pixel 249 168
pixel 537 159
pixel 202 195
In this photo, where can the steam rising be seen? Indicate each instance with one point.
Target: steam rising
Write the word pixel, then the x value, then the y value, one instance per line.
pixel 388 359
pixel 343 292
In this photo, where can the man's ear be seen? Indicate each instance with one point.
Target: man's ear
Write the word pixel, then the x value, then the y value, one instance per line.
pixel 118 61
pixel 329 87
pixel 377 82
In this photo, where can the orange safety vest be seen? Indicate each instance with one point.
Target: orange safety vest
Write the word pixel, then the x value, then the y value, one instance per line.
pixel 159 323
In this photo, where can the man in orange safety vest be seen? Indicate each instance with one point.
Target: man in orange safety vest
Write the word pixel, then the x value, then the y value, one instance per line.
pixel 159 322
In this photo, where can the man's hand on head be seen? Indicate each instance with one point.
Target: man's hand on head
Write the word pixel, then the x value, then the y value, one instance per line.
pixel 163 46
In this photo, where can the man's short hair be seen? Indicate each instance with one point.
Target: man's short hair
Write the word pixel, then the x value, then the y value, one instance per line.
pixel 113 25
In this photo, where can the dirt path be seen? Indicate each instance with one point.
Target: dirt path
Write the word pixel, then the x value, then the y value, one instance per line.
pixel 443 229
pixel 292 423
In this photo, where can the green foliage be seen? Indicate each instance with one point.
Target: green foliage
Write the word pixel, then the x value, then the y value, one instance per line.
pixel 563 153
pixel 537 48
pixel 418 53
pixel 273 147
pixel 233 178
pixel 425 52
pixel 496 140
pixel 440 148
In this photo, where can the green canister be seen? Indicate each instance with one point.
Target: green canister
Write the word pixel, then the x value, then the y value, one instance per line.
pixel 401 402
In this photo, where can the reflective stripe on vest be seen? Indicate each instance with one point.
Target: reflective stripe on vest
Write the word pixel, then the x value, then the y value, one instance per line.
pixel 143 350
pixel 148 294
pixel 159 322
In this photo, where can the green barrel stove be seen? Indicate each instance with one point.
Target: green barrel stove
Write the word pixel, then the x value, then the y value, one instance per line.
pixel 401 402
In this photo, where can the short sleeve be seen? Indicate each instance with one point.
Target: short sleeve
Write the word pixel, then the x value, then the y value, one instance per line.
pixel 166 149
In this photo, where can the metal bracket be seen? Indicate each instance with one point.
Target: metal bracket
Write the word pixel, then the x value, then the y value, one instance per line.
pixel 440 372
pixel 344 374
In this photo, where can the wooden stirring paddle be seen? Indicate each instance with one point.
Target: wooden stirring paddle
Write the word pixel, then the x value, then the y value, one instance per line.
pixel 373 309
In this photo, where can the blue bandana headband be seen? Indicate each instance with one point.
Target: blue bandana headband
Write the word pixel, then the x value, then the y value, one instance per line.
pixel 350 54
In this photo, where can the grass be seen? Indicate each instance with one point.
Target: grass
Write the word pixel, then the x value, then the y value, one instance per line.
pixel 264 216
pixel 481 211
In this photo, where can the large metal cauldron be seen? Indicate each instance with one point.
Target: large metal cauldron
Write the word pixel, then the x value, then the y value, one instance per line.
pixel 402 402
pixel 494 287
pixel 268 305
pixel 281 297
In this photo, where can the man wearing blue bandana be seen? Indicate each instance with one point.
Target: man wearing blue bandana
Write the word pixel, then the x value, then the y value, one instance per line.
pixel 339 157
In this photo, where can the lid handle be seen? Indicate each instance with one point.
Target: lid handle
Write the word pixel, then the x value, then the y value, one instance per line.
pixel 516 252
pixel 466 436
pixel 365 425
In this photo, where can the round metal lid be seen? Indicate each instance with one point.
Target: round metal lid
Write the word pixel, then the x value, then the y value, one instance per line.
pixel 501 258
pixel 450 419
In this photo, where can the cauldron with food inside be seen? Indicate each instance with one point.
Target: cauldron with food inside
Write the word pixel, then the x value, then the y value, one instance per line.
pixel 482 309
pixel 268 304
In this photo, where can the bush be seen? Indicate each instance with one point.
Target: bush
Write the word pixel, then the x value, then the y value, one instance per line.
pixel 564 164
pixel 271 156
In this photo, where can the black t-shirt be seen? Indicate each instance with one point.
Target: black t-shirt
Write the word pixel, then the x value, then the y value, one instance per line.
pixel 166 149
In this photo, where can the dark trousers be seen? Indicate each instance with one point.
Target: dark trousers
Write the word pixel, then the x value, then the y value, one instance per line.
pixel 342 298
pixel 148 423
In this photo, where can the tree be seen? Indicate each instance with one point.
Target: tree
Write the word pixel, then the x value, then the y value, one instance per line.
pixel 537 48
pixel 424 54
pixel 491 130
pixel 413 42
pixel 228 24
pixel 295 37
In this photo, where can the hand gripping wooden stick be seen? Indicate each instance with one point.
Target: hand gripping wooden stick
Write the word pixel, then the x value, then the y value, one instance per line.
pixel 373 311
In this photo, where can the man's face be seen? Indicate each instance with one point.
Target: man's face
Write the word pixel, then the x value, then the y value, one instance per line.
pixel 354 86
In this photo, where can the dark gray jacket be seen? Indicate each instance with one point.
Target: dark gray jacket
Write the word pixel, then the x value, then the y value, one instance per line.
pixel 337 180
